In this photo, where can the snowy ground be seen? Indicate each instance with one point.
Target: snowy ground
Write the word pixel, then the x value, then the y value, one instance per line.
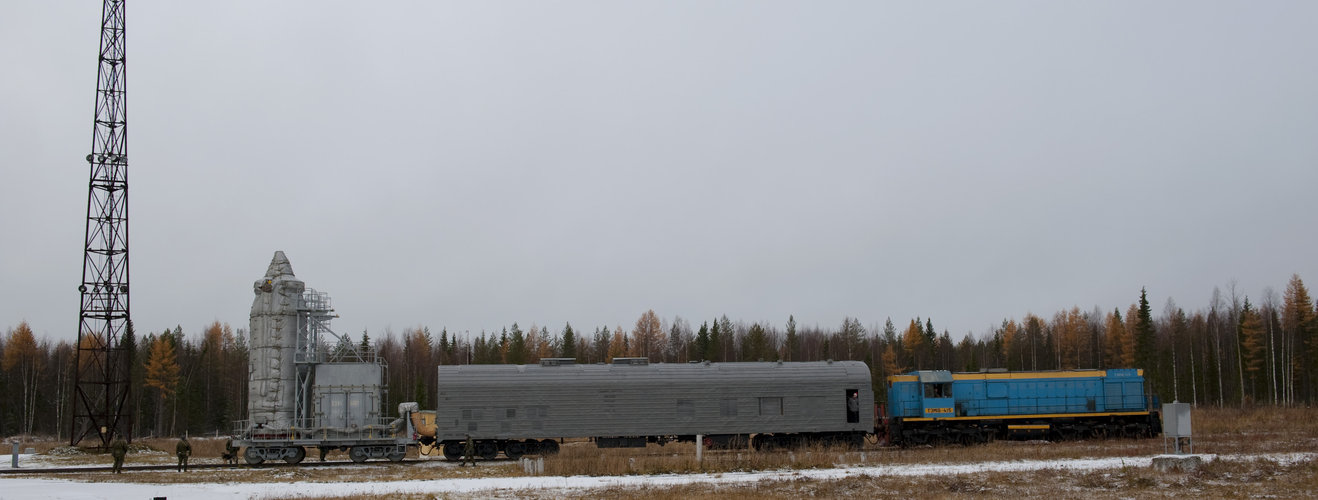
pixel 21 488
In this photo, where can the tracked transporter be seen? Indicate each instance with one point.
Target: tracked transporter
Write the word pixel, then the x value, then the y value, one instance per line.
pixel 304 394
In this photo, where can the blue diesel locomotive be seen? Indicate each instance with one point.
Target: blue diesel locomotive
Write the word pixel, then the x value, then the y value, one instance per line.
pixel 938 406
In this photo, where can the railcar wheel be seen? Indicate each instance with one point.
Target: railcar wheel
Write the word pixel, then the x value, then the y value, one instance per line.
pixel 855 441
pixel 548 447
pixel 251 456
pixel 514 449
pixel 299 453
pixel 357 454
pixel 487 450
pixel 452 452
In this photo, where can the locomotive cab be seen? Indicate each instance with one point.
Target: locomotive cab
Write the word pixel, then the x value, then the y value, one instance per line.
pixel 936 386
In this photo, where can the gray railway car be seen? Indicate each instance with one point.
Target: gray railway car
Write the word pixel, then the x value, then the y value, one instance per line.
pixel 520 409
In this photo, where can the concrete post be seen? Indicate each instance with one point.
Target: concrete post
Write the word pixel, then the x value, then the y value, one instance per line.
pixel 15 455
pixel 700 447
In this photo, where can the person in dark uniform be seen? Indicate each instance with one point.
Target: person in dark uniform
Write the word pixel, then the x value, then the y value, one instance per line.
pixel 469 452
pixel 853 407
pixel 184 450
pixel 118 449
pixel 230 452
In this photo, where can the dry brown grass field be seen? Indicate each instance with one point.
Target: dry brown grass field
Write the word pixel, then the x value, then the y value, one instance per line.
pixel 1228 433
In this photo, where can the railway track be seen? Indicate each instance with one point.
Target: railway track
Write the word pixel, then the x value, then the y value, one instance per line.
pixel 170 467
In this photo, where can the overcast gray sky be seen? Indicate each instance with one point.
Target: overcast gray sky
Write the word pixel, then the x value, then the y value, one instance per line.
pixel 473 164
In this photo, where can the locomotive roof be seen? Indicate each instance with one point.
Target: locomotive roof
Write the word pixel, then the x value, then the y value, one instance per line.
pixel 1006 375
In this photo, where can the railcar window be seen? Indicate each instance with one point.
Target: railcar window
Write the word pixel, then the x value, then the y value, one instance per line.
pixel 686 408
pixel 771 407
pixel 512 413
pixel 728 407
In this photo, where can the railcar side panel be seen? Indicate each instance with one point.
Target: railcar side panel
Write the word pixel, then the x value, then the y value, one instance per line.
pixel 545 402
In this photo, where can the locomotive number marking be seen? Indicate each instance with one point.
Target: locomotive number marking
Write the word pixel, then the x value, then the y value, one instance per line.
pixel 939 410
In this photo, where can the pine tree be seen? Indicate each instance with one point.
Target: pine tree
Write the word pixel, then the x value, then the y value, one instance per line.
pixel 443 347
pixel 1144 334
pixel 792 344
pixel 702 347
pixel 1253 345
pixel 569 348
pixel 930 335
pixel 517 352
pixel 755 346
pixel 715 343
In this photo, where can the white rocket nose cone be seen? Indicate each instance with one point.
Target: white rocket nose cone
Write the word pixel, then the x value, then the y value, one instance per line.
pixel 279 266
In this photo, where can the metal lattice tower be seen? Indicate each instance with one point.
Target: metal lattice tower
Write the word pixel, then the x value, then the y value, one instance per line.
pixel 101 376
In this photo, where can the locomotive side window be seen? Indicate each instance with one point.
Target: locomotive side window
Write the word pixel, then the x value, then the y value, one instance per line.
pixel 943 390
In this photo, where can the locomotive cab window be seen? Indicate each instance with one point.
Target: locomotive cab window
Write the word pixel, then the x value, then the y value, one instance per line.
pixel 943 390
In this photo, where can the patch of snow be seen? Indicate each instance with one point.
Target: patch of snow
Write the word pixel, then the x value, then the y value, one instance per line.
pixel 21 488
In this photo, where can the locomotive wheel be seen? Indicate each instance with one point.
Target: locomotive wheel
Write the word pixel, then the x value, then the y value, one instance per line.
pixel 299 453
pixel 514 449
pixel 487 450
pixel 396 456
pixel 548 447
pixel 452 452
pixel 357 454
pixel 251 457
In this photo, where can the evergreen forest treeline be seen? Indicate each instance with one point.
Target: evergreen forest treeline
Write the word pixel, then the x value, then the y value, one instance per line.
pixel 1236 351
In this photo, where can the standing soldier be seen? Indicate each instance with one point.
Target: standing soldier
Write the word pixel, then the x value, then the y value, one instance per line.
pixel 183 449
pixel 117 450
pixel 469 452
pixel 230 452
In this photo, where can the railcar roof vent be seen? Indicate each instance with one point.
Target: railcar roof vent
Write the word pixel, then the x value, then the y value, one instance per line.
pixel 631 361
pixel 557 361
